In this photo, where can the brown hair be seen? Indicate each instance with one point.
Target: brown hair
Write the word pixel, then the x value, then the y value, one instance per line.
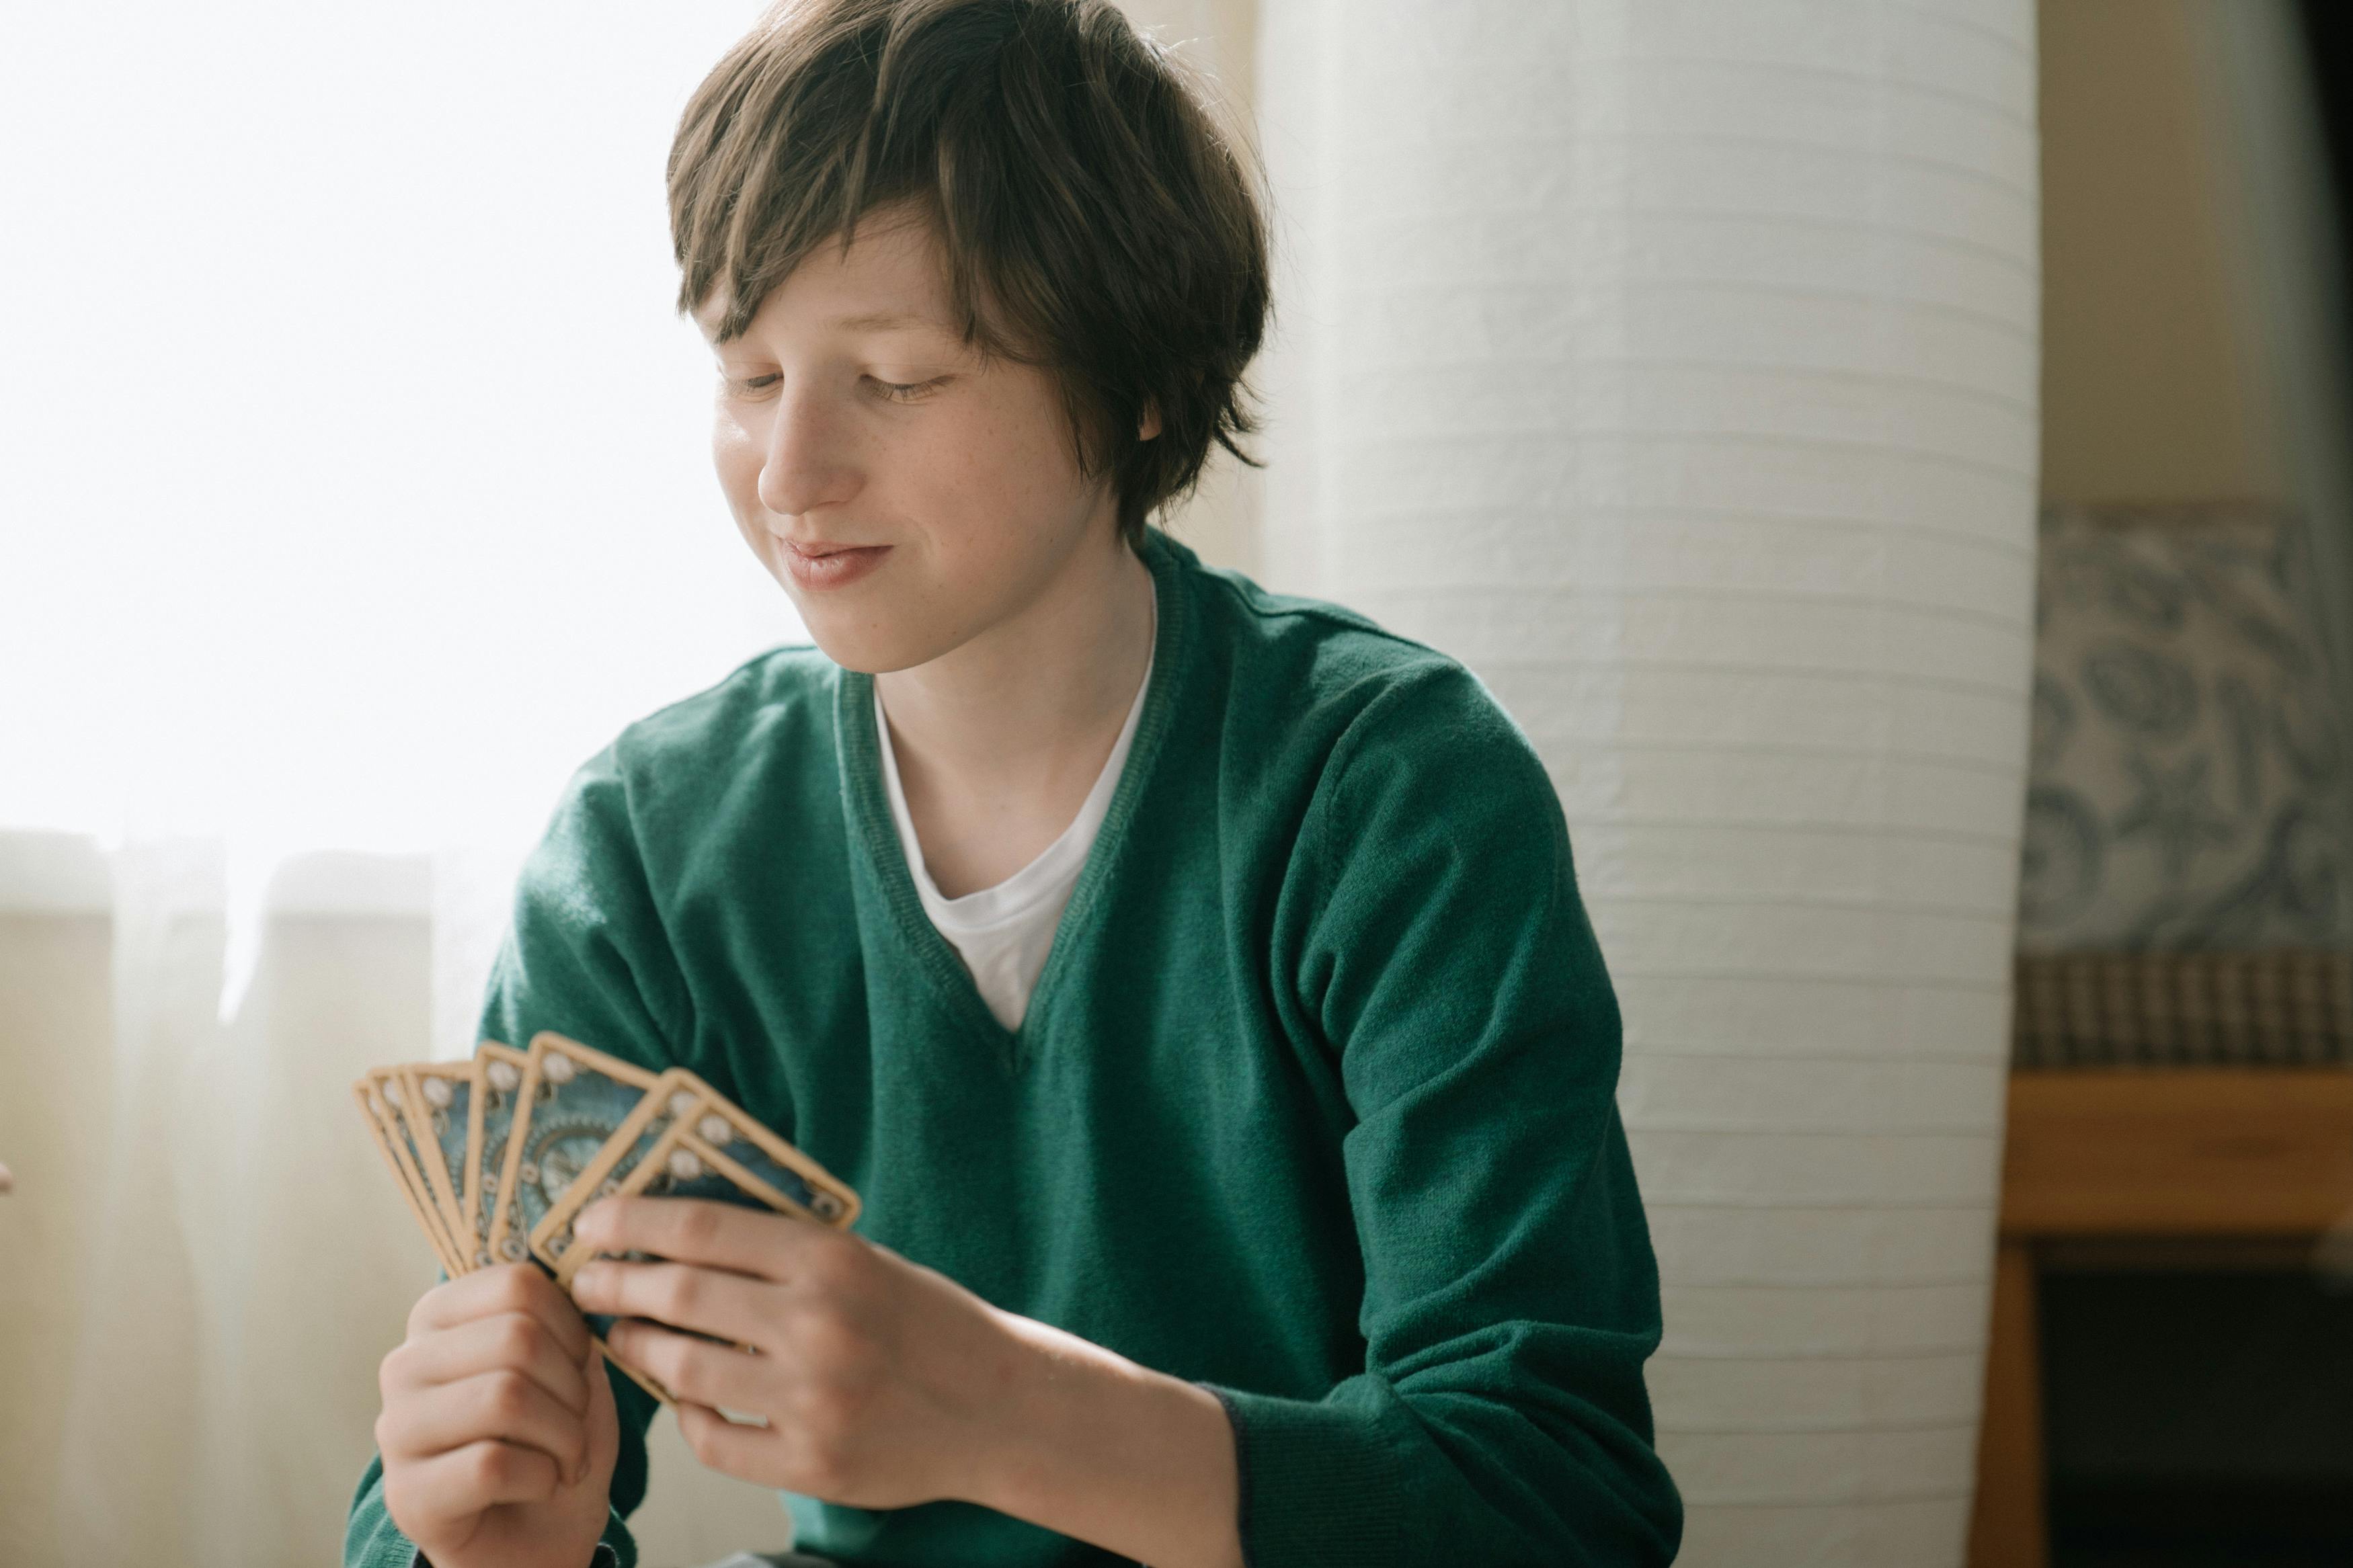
pixel 1095 220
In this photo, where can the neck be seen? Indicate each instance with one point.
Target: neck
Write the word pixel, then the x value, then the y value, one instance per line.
pixel 1037 701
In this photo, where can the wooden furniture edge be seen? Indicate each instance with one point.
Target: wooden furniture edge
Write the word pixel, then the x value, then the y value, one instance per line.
pixel 2178 1152
pixel 2159 1154
pixel 2009 1515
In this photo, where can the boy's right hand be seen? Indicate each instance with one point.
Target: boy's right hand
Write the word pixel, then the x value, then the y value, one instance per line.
pixel 498 1432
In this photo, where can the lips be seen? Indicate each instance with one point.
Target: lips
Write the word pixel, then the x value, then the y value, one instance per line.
pixel 819 564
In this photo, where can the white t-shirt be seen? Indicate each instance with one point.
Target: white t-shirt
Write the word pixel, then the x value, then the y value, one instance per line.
pixel 1004 932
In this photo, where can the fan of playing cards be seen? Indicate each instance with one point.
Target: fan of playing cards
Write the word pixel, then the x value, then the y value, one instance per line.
pixel 496 1156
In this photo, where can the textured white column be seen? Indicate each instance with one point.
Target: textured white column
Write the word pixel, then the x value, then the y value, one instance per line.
pixel 1673 362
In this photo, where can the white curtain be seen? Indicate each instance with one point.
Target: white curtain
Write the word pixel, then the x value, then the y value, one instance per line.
pixel 1675 363
pixel 356 486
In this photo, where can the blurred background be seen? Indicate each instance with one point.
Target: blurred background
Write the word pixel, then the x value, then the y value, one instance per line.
pixel 1895 459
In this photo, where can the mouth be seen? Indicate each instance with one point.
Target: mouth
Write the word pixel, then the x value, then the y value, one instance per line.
pixel 820 563
pixel 817 549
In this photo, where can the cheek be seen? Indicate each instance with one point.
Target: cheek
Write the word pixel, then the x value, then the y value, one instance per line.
pixel 737 460
pixel 737 463
pixel 1012 476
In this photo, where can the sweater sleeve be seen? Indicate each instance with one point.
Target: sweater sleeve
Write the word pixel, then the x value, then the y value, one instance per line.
pixel 1511 1295
pixel 586 956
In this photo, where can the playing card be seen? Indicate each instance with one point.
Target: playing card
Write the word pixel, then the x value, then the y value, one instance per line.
pixel 373 1111
pixel 571 1100
pixel 537 1138
pixel 446 1119
pixel 495 1157
pixel 382 1120
pixel 498 1086
pixel 393 1090
pixel 681 1099
pixel 508 1240
pixel 675 1093
pixel 754 1147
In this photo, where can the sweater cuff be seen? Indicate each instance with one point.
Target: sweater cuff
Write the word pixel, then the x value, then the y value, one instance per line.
pixel 1322 1481
pixel 607 1556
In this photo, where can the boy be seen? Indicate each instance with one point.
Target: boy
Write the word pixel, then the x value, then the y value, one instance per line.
pixel 1191 981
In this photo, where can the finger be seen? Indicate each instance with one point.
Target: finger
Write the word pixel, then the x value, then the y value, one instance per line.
pixel 690 1368
pixel 747 1453
pixel 695 1230
pixel 506 1406
pixel 507 1287
pixel 604 1417
pixel 507 1340
pixel 684 1295
pixel 467 1481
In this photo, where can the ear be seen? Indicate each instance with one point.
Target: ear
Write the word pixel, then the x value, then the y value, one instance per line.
pixel 1149 425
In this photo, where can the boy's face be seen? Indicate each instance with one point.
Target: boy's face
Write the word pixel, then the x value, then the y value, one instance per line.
pixel 907 499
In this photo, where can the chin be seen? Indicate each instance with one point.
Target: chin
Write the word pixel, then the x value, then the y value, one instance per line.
pixel 872 646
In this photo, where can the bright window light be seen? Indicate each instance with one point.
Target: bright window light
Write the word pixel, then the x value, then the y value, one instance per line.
pixel 356 481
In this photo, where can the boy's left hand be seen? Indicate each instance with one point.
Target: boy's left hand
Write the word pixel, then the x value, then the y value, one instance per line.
pixel 880 1380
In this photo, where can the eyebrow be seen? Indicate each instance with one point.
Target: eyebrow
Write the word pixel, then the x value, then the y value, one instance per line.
pixel 868 321
pixel 884 322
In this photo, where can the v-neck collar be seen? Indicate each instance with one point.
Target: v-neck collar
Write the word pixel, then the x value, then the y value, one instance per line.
pixel 876 833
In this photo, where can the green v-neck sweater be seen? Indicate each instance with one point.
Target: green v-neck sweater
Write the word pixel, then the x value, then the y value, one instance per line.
pixel 1313 1103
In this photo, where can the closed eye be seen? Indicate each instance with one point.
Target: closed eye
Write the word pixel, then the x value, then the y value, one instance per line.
pixel 889 391
pixel 908 391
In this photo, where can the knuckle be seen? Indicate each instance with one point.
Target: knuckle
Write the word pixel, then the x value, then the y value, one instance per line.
pixel 392 1371
pixel 720 1376
pixel 825 1267
pixel 490 1465
pixel 681 1292
pixel 702 1438
pixel 422 1311
pixel 507 1396
pixel 698 1223
pixel 513 1292
pixel 666 1357
pixel 842 1271
pixel 519 1334
pixel 503 1468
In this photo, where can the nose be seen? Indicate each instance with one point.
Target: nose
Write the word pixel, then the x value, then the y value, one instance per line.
pixel 807 462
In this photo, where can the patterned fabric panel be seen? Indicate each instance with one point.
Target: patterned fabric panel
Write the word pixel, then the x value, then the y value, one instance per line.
pixel 2188 778
pixel 2286 1008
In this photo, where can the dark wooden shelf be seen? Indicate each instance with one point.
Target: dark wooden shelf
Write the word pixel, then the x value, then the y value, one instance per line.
pixel 2259 1160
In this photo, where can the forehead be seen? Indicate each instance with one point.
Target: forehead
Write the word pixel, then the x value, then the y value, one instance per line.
pixel 892 278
